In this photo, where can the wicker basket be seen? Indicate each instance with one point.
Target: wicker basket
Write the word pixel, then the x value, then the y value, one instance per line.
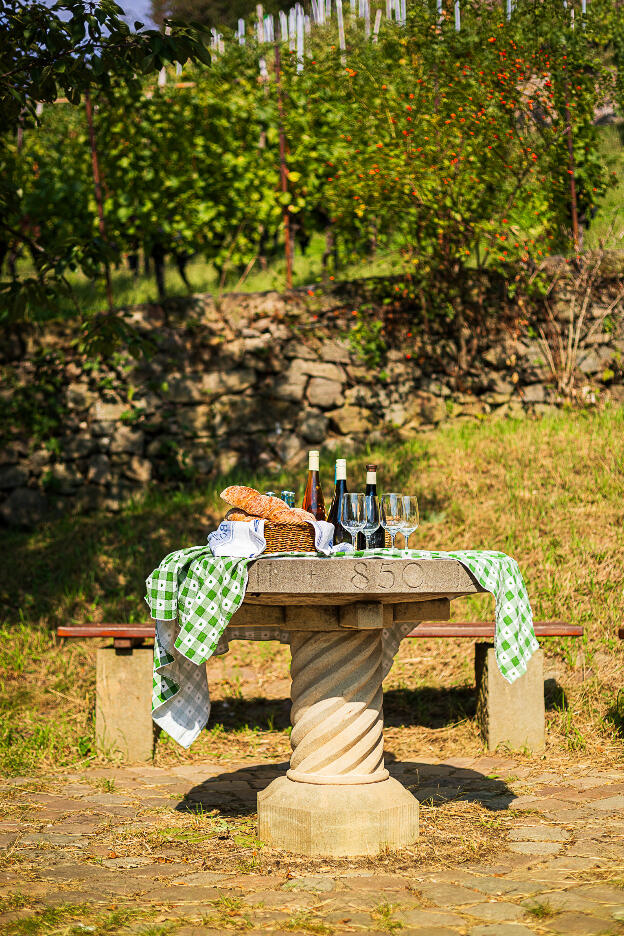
pixel 280 537
pixel 288 537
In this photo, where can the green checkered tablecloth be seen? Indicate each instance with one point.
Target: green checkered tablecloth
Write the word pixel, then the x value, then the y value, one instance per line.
pixel 192 595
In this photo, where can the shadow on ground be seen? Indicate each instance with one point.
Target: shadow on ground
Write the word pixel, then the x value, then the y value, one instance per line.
pixel 432 784
pixel 615 714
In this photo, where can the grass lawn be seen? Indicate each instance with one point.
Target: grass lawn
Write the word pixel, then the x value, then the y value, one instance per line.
pixel 608 223
pixel 549 492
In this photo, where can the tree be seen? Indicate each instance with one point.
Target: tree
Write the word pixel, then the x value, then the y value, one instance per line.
pixel 71 49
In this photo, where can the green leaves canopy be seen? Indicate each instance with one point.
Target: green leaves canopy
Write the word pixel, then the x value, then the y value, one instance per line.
pixel 452 148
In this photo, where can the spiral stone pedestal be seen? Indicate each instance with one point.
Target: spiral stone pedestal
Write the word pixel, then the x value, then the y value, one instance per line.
pixel 337 798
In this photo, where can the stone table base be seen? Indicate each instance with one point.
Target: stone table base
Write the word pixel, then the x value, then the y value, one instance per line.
pixel 337 821
pixel 337 798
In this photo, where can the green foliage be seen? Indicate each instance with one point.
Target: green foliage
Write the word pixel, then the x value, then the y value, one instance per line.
pixel 74 45
pixel 366 339
pixel 457 143
pixel 451 150
pixel 35 408
pixel 72 48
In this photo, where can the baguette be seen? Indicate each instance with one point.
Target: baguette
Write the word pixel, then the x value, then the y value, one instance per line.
pixel 236 514
pixel 262 505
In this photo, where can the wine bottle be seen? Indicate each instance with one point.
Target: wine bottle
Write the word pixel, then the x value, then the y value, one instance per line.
pixel 378 538
pixel 313 498
pixel 340 534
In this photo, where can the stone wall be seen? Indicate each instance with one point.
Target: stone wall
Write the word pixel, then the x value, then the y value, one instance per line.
pixel 253 381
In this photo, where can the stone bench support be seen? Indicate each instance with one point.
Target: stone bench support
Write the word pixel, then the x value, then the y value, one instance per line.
pixel 123 703
pixel 512 715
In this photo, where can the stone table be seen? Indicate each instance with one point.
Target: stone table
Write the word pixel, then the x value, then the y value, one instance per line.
pixel 337 798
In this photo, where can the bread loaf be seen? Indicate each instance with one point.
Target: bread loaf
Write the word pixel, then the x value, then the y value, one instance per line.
pixel 262 505
pixel 236 514
pixel 304 515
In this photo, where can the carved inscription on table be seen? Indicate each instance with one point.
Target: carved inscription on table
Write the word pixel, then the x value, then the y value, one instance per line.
pixel 387 576
pixel 337 576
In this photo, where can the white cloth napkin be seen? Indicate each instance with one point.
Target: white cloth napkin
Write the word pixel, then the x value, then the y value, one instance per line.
pixel 240 538
pixel 245 539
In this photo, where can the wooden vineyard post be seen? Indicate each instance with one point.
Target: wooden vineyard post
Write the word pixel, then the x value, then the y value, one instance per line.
pixel 283 169
pixel 576 236
pixel 341 32
pixel 377 25
pixel 98 195
pixel 300 21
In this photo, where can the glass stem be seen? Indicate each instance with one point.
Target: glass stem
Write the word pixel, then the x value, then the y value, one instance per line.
pixel 392 538
pixel 406 537
pixel 367 538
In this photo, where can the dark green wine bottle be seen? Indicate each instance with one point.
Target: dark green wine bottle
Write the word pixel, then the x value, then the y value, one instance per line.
pixel 378 538
pixel 340 482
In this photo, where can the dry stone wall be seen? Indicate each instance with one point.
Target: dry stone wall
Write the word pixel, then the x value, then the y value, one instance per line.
pixel 251 383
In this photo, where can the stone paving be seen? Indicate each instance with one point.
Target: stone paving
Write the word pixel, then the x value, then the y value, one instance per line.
pixel 176 848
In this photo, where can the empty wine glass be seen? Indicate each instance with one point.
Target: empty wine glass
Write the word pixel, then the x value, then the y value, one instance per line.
pixel 371 517
pixel 411 518
pixel 392 516
pixel 352 514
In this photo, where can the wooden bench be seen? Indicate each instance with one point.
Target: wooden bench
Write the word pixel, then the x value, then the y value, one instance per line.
pixel 124 672
pixel 133 635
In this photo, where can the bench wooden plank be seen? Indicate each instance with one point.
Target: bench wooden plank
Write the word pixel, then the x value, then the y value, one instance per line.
pixel 106 630
pixel 484 629
pixel 435 629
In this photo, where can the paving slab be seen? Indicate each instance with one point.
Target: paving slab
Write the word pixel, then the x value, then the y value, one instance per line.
pixel 498 886
pixel 316 884
pixel 177 895
pixel 279 899
pixel 575 864
pixel 430 918
pixel 610 804
pixel 602 893
pixel 200 879
pixel 500 929
pixel 198 931
pixel 579 924
pixel 348 917
pixel 535 848
pixel 538 833
pixel 497 911
pixel 563 900
pixel 445 895
pixel 427 931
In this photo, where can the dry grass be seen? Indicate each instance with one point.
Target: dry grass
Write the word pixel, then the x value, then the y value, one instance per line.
pixel 548 492
pixel 452 834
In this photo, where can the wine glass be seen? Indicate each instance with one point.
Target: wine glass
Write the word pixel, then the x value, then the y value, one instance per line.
pixel 371 517
pixel 392 516
pixel 352 514
pixel 410 516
